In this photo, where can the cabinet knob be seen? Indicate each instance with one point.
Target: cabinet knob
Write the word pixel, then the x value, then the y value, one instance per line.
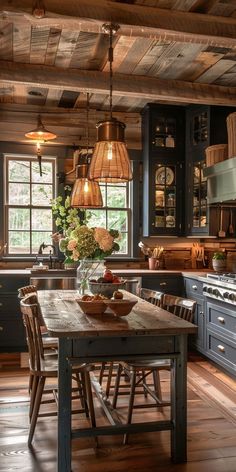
pixel 1 304
pixel 162 284
pixel 201 312
pixel 221 348
pixel 221 319
pixel 194 287
pixel 1 286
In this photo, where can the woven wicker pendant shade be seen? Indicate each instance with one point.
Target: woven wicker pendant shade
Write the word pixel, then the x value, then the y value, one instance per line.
pixel 85 193
pixel 110 161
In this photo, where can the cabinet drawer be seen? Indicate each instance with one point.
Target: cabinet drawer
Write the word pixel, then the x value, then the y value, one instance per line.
pixel 221 350
pixel 193 286
pixel 222 319
pixel 12 283
pixel 9 307
pixel 12 335
pixel 172 285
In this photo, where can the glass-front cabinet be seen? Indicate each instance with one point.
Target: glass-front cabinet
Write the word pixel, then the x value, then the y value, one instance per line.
pixel 163 169
pixel 199 201
pixel 165 196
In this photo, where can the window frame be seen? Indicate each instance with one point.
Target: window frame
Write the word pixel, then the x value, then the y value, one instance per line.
pixel 129 215
pixel 6 206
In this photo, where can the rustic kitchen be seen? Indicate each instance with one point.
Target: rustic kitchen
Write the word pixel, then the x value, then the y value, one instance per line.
pixel 118 235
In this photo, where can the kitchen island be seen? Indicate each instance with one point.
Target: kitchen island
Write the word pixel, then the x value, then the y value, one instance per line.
pixel 147 331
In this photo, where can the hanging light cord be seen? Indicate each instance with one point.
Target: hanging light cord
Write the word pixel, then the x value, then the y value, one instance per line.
pixel 87 122
pixel 110 58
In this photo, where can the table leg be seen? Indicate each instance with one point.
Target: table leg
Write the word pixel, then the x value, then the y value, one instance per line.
pixel 64 406
pixel 179 403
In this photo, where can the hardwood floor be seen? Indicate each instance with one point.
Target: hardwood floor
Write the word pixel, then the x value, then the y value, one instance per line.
pixel 211 430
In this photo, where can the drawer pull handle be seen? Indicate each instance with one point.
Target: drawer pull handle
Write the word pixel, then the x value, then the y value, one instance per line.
pixel 1 304
pixel 1 286
pixel 194 287
pixel 162 284
pixel 221 348
pixel 221 319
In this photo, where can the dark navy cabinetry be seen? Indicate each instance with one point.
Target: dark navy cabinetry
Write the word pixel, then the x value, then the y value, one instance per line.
pixel 12 335
pixel 163 169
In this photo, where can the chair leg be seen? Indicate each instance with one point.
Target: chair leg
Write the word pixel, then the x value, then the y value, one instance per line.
pixel 117 385
pixel 131 402
pixel 109 378
pixel 35 381
pixel 84 400
pixel 35 413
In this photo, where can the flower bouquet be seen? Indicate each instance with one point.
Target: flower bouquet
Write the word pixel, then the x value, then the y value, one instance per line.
pixel 88 246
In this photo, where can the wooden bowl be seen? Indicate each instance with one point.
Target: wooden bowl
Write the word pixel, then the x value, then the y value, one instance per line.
pixel 92 307
pixel 121 307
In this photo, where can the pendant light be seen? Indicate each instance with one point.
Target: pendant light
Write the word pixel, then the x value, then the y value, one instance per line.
pixel 85 193
pixel 110 161
pixel 40 134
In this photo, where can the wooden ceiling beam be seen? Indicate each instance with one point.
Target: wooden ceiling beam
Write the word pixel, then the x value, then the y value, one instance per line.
pixel 134 20
pixel 150 88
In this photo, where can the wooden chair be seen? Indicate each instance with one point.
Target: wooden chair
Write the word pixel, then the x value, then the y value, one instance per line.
pixel 138 371
pixel 48 341
pixel 44 367
pixel 109 370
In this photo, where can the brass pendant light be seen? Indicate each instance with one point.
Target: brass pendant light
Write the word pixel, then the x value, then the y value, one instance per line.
pixel 40 133
pixel 110 161
pixel 86 193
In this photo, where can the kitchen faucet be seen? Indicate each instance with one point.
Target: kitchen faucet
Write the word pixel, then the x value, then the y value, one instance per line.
pixel 43 246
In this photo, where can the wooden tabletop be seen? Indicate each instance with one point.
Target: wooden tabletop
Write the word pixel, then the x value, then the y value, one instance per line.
pixel 64 318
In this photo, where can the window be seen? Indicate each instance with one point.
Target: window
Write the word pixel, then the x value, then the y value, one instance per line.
pixel 115 213
pixel 28 215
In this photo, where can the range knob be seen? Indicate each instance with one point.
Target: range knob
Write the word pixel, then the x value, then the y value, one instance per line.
pixel 226 294
pixel 205 289
pixel 232 297
pixel 209 290
pixel 216 292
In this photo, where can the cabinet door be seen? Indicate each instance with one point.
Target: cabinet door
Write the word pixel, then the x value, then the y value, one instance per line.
pixel 193 290
pixel 164 213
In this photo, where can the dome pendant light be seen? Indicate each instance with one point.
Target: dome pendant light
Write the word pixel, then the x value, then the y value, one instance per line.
pixel 110 161
pixel 40 134
pixel 85 193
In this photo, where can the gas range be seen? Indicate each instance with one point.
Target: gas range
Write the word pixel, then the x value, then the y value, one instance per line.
pixel 221 287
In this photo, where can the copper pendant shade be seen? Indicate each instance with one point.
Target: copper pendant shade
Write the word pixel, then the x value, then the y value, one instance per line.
pixel 110 161
pixel 85 193
pixel 40 133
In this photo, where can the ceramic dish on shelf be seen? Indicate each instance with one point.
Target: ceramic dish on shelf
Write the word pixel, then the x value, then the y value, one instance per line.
pixel 164 175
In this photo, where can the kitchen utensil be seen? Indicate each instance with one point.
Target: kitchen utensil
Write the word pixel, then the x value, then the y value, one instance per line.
pixel 221 232
pixel 231 228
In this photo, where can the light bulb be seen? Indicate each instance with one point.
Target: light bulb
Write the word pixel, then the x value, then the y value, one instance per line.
pixel 86 186
pixel 109 154
pixel 38 147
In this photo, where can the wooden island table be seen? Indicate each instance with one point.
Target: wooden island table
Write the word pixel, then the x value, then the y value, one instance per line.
pixel 147 332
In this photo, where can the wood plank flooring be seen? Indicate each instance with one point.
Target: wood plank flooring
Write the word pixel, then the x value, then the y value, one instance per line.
pixel 211 430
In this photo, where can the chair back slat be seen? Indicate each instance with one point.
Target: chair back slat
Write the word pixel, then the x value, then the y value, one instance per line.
pixel 181 307
pixel 152 296
pixel 23 291
pixel 31 318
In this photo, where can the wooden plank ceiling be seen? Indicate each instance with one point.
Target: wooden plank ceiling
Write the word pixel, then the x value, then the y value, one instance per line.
pixel 178 52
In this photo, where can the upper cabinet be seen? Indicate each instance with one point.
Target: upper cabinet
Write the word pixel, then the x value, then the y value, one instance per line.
pixel 163 169
pixel 205 126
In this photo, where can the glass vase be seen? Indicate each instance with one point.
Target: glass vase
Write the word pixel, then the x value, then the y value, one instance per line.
pixel 88 269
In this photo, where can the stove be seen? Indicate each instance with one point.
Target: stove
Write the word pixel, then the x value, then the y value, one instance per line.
pixel 221 287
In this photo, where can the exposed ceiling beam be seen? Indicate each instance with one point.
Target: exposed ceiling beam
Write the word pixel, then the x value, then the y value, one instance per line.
pixel 149 88
pixel 134 20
